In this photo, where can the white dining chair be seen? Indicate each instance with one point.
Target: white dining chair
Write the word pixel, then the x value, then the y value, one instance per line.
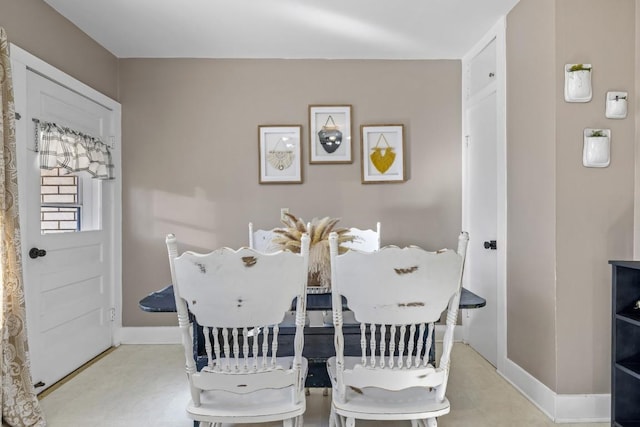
pixel 367 240
pixel 262 240
pixel 245 380
pixel 397 294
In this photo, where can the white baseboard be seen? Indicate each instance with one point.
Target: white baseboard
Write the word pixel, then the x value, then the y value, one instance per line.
pixel 583 408
pixel 149 335
pixel 560 408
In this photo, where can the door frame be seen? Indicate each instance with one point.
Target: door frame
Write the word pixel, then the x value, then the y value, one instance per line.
pixel 21 63
pixel 497 32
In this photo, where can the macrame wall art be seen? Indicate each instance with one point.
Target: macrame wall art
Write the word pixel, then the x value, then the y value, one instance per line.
pixel 382 157
pixel 280 157
pixel 330 136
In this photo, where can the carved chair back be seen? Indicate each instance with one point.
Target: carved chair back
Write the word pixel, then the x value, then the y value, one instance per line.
pixel 365 240
pixel 239 297
pixel 262 240
pixel 396 294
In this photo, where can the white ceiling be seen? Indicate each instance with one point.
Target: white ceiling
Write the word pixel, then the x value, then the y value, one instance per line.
pixel 334 29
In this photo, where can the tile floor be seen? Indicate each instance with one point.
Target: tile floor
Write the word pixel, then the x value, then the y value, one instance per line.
pixel 145 385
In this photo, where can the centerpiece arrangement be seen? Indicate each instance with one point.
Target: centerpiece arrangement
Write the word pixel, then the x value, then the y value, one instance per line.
pixel 289 238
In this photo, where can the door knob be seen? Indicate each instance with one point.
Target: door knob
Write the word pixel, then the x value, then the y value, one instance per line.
pixel 491 245
pixel 35 253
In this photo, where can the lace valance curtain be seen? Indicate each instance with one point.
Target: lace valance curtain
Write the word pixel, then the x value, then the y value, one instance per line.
pixel 74 151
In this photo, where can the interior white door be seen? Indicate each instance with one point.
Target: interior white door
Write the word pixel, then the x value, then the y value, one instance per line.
pixel 68 291
pixel 482 184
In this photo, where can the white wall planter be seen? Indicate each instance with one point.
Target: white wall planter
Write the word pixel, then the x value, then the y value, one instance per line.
pixel 616 105
pixel 596 152
pixel 577 83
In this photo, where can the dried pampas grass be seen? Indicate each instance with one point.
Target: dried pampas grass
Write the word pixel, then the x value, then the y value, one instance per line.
pixel 318 229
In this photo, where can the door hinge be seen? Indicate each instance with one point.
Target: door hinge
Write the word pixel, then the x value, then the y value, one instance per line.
pixel 112 314
pixel 466 140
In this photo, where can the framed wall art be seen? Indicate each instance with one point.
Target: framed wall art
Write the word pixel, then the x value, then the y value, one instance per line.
pixel 330 134
pixel 280 154
pixel 383 155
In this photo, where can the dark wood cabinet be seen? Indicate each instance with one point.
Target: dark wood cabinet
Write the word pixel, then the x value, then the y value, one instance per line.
pixel 625 344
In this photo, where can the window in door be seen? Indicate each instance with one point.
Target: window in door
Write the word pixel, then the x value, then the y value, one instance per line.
pixel 67 202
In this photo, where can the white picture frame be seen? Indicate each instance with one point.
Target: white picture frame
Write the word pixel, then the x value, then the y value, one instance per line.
pixel 280 154
pixel 331 118
pixel 383 154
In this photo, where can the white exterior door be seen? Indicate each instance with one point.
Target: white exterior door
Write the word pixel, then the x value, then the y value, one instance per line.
pixel 70 298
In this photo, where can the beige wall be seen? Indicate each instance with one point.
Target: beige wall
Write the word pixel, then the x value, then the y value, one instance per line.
pixel 531 189
pixel 594 206
pixel 40 30
pixel 190 155
pixel 566 220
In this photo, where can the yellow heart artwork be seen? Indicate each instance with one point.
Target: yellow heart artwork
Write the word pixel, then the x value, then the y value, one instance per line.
pixel 381 161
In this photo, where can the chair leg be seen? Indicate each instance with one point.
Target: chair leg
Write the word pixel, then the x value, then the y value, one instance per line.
pixel 432 422
pixel 332 417
pixel 336 420
pixel 291 422
pixel 325 392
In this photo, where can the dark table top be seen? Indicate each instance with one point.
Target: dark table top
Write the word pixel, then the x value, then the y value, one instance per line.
pixel 162 301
